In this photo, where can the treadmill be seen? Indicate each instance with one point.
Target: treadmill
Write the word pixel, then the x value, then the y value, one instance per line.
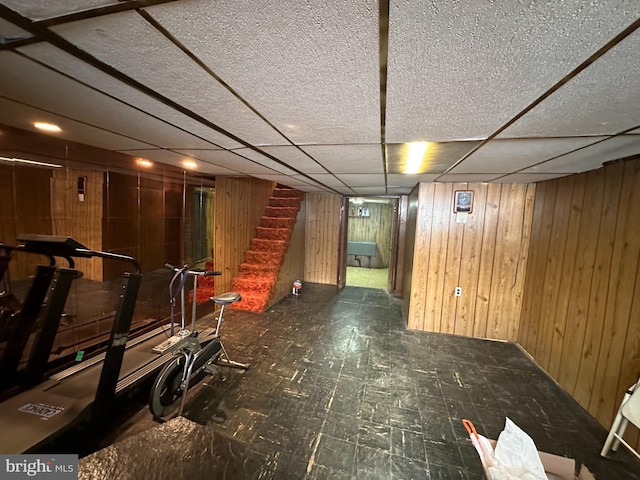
pixel 88 391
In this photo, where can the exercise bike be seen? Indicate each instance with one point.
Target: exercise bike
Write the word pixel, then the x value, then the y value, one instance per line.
pixel 194 353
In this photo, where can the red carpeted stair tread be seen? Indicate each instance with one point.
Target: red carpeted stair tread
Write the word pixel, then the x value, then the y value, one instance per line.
pixel 271 258
pixel 257 268
pixel 287 192
pixel 251 302
pixel 292 202
pixel 259 273
pixel 288 212
pixel 277 222
pixel 273 233
pixel 268 245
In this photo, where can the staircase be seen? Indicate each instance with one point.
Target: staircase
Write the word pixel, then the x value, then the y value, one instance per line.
pixel 259 273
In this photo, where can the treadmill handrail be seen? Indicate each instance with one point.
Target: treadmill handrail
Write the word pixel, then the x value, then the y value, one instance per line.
pixel 67 247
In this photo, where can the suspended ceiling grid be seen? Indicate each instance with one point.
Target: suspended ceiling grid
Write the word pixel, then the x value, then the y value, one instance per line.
pixel 326 96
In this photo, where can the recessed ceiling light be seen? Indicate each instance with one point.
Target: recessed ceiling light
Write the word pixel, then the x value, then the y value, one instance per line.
pixel 190 164
pixel 47 127
pixel 143 162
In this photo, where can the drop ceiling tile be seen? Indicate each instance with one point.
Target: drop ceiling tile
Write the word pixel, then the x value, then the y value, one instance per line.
pixel 295 157
pixel 41 10
pixel 404 180
pixel 83 72
pixel 399 190
pixel 95 78
pixel 506 156
pixel 370 190
pixel 460 70
pixel 528 177
pixel 438 157
pixel 9 31
pixel 23 116
pixel 311 68
pixel 31 83
pixel 328 179
pixel 263 160
pixel 362 179
pixel 601 100
pixel 296 181
pixel 130 44
pixel 176 158
pixel 592 157
pixel 467 177
pixel 229 160
pixel 348 158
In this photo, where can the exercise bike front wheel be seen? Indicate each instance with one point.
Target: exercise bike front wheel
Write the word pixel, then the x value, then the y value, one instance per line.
pixel 166 392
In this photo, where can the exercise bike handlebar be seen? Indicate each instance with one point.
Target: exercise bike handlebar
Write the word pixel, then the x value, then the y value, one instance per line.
pixel 192 271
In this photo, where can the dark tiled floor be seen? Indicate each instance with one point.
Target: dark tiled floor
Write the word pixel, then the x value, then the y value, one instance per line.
pixel 339 389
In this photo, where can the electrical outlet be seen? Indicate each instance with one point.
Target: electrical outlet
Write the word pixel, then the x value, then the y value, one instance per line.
pixel 458 292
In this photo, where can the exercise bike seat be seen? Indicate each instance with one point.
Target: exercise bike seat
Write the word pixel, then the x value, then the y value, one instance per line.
pixel 226 298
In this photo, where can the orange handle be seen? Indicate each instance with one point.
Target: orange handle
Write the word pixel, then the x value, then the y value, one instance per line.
pixel 469 427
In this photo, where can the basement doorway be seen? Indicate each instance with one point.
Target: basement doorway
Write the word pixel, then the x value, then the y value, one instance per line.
pixel 369 247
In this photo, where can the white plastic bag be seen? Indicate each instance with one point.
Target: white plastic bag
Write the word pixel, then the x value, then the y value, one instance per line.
pixel 515 456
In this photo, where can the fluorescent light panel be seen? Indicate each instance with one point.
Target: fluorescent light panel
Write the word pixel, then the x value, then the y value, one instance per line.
pixel 416 156
pixel 30 162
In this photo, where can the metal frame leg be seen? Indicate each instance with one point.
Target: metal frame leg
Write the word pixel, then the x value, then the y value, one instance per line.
pixel 224 360
pixel 618 427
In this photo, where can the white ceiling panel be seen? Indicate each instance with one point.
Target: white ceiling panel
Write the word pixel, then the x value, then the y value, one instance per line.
pixel 9 31
pixel 368 191
pixel 592 157
pixel 130 44
pixel 70 65
pixel 399 190
pixel 505 156
pixel 528 177
pixel 296 158
pixel 328 179
pixel 26 81
pixel 348 158
pixel 43 9
pixel 602 100
pixel 228 160
pixel 295 181
pixel 22 116
pixel 467 177
pixel 323 87
pixel 401 180
pixel 362 179
pixel 263 160
pixel 460 70
pixel 175 159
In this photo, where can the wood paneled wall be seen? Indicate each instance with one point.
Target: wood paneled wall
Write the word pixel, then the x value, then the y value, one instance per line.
pixel 144 218
pixel 240 204
pixel 24 208
pixel 374 228
pixel 581 312
pixel 486 257
pixel 80 220
pixel 322 235
pixel 293 265
pixel 129 219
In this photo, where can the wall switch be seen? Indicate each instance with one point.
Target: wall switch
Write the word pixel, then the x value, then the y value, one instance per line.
pixel 458 292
